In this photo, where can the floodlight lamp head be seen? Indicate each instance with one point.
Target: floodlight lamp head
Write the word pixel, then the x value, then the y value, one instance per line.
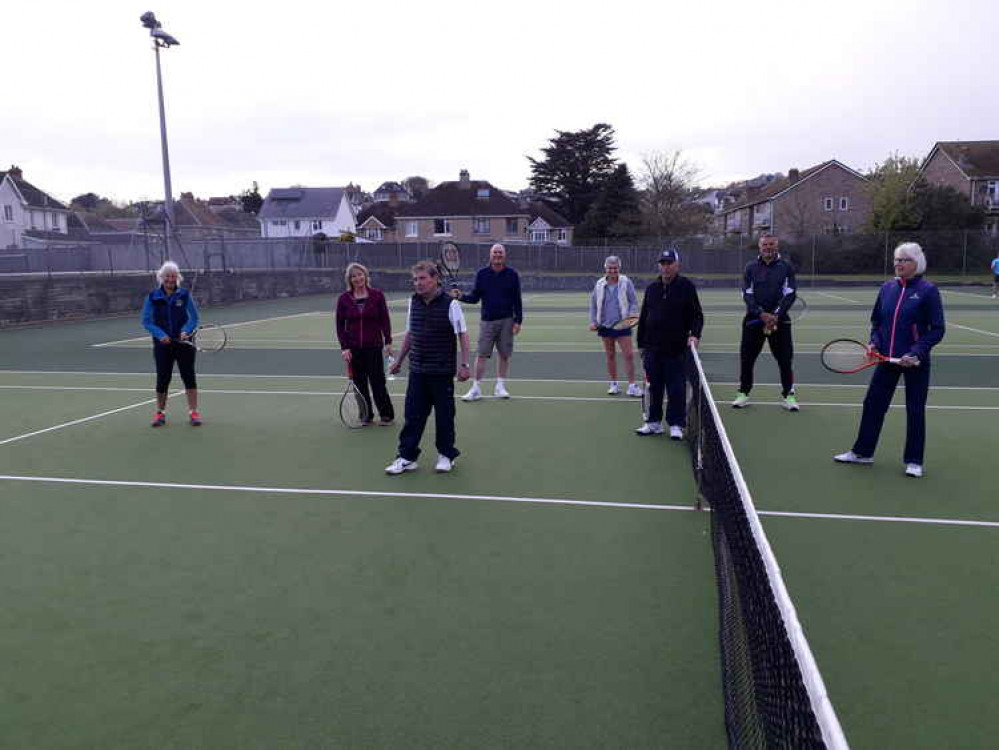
pixel 149 20
pixel 162 38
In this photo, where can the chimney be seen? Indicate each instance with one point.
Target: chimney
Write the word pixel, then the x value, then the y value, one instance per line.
pixel 464 181
pixel 793 175
pixel 393 198
pixel 15 172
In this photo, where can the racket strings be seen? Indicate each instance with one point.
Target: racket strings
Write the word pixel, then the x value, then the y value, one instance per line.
pixel 844 356
pixel 211 339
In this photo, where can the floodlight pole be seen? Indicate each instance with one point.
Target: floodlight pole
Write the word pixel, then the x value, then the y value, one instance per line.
pixel 167 188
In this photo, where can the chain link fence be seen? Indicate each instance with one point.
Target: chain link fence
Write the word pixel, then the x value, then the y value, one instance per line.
pixel 965 253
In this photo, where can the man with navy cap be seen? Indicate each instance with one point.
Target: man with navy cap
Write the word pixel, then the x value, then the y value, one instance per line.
pixel 670 321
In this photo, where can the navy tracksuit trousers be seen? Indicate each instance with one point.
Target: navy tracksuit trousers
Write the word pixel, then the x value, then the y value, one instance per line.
pixel 877 401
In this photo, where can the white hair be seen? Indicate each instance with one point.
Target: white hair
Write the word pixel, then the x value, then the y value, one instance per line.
pixel 914 251
pixel 169 266
pixel 612 259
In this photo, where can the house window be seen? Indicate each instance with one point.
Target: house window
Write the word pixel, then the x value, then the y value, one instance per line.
pixel 827 204
pixel 317 225
pixel 480 226
pixel 412 229
pixel 8 212
pixel 539 235
pixel 563 235
pixel 442 226
pixel 297 225
pixel 373 233
pixel 992 194
pixel 55 221
pixel 279 223
pixel 844 204
pixel 511 226
pixel 482 193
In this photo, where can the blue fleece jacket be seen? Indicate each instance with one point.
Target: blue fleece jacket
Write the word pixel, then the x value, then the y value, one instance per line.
pixel 908 318
pixel 169 315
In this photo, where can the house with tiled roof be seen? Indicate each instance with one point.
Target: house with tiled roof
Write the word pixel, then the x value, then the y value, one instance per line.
pixel 464 210
pixel 377 223
pixel 829 198
pixel 392 191
pixel 971 168
pixel 547 225
pixel 29 217
pixel 306 212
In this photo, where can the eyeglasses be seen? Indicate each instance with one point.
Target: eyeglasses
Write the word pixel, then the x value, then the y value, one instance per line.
pixel 905 260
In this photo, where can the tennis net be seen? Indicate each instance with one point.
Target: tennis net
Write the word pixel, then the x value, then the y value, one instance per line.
pixel 774 694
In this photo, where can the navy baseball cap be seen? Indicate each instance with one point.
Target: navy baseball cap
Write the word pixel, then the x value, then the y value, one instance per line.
pixel 669 256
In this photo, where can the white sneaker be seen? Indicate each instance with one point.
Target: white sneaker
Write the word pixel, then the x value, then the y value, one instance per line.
pixel 444 464
pixel 634 389
pixel 650 428
pixel 914 470
pixel 500 391
pixel 613 390
pixel 852 458
pixel 675 432
pixel 790 402
pixel 474 394
pixel 400 465
pixel 741 401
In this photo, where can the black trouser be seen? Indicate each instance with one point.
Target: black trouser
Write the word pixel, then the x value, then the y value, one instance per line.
pixel 423 393
pixel 666 376
pixel 165 355
pixel 878 399
pixel 781 347
pixel 369 369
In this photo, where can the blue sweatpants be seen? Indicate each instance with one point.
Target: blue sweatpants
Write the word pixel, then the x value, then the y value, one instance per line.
pixel 426 393
pixel 666 376
pixel 878 399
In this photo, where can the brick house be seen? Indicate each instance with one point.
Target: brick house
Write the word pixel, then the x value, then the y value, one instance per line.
pixel 377 222
pixel 548 225
pixel 465 210
pixel 829 198
pixel 971 168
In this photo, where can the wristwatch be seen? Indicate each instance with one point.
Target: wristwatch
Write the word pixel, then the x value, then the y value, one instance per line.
pixel 464 364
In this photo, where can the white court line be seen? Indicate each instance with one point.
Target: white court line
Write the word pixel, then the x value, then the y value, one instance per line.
pixel 857 405
pixel 973 330
pixel 966 294
pixel 81 421
pixel 833 296
pixel 489 498
pixel 346 493
pixel 226 326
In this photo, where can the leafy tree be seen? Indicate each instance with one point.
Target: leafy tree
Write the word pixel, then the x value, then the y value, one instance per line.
pixel 615 214
pixel 86 202
pixel 417 186
pixel 251 199
pixel 943 207
pixel 103 207
pixel 889 190
pixel 575 168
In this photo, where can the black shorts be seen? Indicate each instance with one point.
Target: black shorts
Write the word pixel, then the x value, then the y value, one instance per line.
pixel 165 356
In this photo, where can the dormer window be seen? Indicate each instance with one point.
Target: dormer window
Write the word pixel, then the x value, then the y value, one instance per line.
pixel 482 193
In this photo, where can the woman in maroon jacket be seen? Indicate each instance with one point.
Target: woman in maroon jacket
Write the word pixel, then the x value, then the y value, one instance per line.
pixel 364 329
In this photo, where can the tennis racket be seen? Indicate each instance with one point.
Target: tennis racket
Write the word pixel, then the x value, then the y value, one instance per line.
pixel 646 400
pixel 795 312
pixel 207 338
pixel 449 262
pixel 625 323
pixel 847 356
pixel 354 411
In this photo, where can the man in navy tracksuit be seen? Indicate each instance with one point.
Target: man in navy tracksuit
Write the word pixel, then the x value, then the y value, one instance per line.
pixel 769 290
pixel 907 321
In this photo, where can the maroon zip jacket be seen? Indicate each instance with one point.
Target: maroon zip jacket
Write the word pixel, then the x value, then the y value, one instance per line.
pixel 363 326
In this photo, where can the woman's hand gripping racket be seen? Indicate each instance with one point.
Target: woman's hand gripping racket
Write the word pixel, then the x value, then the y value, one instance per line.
pixel 354 410
pixel 795 312
pixel 207 338
pixel 449 262
pixel 847 356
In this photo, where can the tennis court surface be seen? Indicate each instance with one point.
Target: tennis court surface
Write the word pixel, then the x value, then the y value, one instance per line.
pixel 259 581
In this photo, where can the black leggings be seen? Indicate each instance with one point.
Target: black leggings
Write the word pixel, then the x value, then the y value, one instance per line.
pixel 781 346
pixel 369 369
pixel 165 356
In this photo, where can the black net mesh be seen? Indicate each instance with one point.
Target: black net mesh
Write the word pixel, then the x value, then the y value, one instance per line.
pixel 767 703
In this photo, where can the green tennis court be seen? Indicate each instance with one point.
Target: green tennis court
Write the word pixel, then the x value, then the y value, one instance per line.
pixel 259 582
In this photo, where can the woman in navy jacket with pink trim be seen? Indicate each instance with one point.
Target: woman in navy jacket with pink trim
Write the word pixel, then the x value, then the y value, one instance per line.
pixel 906 323
pixel 363 328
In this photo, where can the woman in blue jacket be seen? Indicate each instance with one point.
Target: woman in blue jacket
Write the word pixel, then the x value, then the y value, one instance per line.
pixel 907 321
pixel 171 316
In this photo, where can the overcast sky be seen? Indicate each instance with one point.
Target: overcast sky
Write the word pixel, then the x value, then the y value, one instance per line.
pixel 320 94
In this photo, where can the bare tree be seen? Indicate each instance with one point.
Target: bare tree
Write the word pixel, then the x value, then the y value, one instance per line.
pixel 668 181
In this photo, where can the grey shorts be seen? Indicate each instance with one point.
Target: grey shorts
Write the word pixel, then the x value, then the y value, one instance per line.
pixel 498 333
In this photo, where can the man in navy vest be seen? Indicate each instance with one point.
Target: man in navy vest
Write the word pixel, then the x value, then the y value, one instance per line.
pixel 435 326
